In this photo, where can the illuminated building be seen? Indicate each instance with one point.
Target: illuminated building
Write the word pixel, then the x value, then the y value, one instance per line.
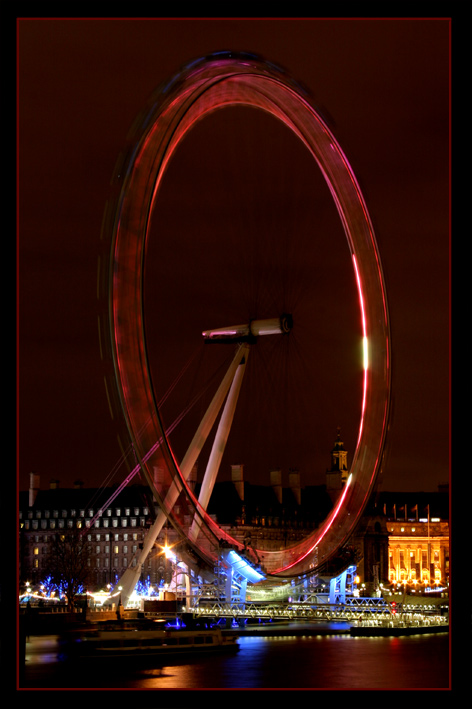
pixel 114 536
pixel 418 529
pixel 401 537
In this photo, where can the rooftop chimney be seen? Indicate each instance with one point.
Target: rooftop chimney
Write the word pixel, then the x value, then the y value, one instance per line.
pixel 276 482
pixel 238 480
pixel 294 482
pixel 33 488
pixel 53 484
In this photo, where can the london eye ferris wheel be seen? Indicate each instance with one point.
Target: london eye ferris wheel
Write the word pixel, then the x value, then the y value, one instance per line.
pixel 223 82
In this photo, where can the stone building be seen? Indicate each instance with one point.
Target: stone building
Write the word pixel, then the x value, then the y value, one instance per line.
pixel 401 537
pixel 114 535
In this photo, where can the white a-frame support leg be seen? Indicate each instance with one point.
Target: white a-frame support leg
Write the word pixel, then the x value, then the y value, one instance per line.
pixel 131 576
pixel 219 444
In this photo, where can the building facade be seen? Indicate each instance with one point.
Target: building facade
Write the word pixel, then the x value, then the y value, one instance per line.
pixel 114 533
pixel 402 538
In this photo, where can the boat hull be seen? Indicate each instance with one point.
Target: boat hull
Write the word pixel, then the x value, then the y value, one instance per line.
pixel 165 645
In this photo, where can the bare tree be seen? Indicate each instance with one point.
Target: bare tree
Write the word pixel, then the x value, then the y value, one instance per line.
pixel 68 563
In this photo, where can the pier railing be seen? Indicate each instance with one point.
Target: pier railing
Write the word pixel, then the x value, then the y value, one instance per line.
pixel 353 609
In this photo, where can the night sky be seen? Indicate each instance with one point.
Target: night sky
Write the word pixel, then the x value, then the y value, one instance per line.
pixel 383 86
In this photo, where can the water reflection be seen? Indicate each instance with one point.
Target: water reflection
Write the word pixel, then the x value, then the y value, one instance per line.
pixel 279 662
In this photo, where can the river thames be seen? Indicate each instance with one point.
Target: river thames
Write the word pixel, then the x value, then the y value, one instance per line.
pixel 285 662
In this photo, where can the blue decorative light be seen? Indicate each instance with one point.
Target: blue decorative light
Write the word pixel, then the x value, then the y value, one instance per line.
pixel 242 567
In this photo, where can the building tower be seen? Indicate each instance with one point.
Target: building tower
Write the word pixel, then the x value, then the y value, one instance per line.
pixel 337 475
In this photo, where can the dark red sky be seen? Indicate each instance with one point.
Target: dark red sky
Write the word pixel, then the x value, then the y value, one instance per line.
pixel 384 84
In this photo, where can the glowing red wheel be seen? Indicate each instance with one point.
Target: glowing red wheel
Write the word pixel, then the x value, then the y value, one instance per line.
pixel 202 87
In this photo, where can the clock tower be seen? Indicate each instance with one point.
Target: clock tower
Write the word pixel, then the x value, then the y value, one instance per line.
pixel 337 475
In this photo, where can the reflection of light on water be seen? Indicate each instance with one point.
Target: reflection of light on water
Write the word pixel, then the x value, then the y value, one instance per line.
pixel 270 662
pixel 42 650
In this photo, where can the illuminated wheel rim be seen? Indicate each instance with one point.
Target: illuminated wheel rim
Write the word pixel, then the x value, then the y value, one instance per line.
pixel 202 87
